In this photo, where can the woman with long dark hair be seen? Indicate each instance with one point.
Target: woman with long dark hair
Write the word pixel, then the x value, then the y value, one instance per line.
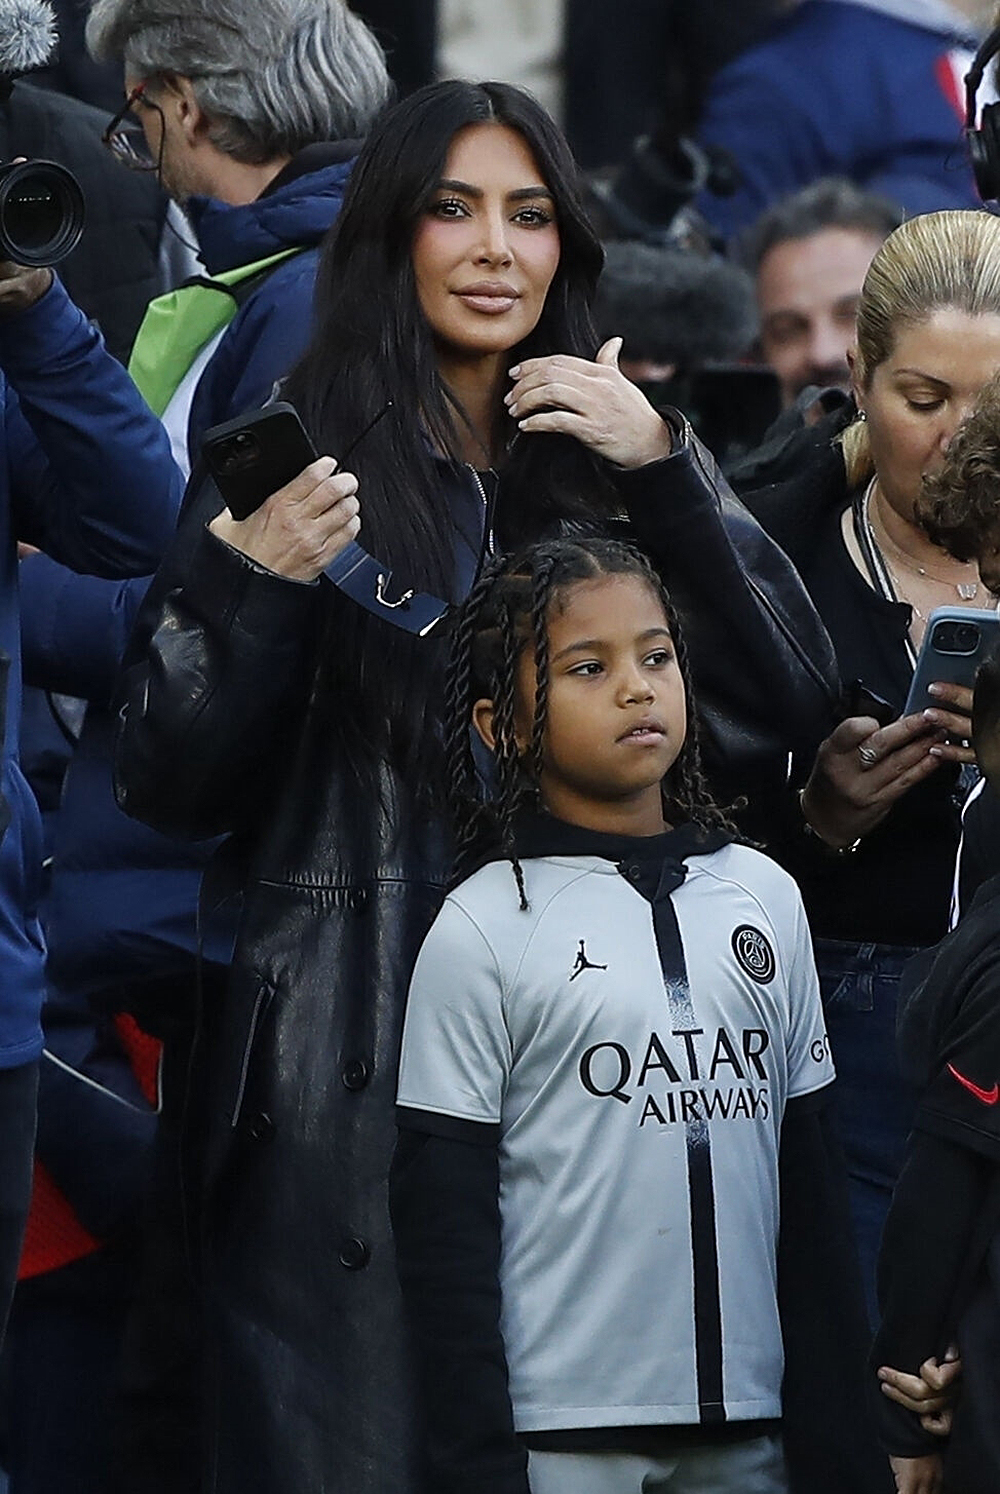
pixel 453 347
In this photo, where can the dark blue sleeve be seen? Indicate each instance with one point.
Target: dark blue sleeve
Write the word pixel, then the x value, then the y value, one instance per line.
pixel 92 479
pixel 74 628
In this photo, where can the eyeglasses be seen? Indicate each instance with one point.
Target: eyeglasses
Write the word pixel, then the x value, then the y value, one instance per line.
pixel 125 138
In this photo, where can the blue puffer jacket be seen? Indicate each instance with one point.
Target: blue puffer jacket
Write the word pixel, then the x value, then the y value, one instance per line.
pixel 857 88
pixel 120 909
pixel 86 473
pixel 122 900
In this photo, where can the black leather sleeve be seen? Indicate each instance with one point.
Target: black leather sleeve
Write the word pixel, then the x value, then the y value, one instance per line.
pixel 443 1195
pixel 216 676
pixel 764 669
pixel 829 1445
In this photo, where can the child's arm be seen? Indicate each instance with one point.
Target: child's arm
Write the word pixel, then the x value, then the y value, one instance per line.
pixel 823 1320
pixel 446 1221
pixel 444 1199
pixel 828 1444
pixel 923 1261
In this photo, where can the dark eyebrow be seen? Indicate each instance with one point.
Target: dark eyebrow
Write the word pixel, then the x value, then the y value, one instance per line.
pixel 590 644
pixel 468 190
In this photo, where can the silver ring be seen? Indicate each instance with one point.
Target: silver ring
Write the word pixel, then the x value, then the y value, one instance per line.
pixel 868 756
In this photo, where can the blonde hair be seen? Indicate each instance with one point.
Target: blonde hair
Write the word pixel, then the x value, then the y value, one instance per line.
pixel 938 260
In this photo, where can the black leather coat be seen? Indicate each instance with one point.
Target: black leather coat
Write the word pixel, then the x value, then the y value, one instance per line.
pixel 225 727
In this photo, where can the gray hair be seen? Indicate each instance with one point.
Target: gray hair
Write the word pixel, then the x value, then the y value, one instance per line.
pixel 271 75
pixel 831 202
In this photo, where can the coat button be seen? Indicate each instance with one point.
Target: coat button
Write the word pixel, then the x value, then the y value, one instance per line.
pixel 633 873
pixel 355 1073
pixel 354 1254
pixel 262 1127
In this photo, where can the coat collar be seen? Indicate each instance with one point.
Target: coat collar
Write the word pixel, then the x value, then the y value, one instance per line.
pixel 540 834
pixel 293 214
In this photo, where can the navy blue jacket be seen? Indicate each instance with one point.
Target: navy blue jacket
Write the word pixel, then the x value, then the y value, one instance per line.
pixel 838 89
pixel 86 474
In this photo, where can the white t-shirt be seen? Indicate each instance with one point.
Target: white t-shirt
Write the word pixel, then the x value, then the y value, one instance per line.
pixel 636 1058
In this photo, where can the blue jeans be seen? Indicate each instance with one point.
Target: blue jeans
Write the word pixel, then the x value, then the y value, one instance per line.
pixel 859 985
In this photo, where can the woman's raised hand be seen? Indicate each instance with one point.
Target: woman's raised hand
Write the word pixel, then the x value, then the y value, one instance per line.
pixel 594 402
pixel 862 769
pixel 300 528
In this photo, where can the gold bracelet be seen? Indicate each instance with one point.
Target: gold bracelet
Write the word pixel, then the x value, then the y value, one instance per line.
pixel 814 834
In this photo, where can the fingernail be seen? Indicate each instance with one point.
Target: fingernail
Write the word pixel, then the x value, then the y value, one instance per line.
pixel 935 690
pixel 513 409
pixel 936 752
pixel 932 716
pixel 515 371
pixel 508 397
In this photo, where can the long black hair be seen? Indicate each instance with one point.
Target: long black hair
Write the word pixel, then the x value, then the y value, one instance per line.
pixel 505 613
pixel 371 345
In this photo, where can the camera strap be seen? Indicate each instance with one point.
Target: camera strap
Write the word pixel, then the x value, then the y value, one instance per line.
pixel 369 583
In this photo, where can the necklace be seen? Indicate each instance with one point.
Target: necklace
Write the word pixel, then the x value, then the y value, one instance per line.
pixel 967 590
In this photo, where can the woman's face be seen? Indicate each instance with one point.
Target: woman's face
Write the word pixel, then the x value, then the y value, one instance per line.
pixel 486 249
pixel 919 396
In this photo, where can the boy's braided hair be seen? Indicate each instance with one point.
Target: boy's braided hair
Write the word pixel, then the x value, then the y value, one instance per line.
pixel 507 610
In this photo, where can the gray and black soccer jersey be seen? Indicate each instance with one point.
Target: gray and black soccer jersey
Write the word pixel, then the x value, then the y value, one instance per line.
pixel 634 1054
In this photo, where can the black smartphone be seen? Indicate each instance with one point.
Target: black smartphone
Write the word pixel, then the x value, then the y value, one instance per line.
pixel 956 642
pixel 253 456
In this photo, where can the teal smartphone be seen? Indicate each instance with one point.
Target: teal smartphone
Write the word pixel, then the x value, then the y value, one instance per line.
pixel 956 642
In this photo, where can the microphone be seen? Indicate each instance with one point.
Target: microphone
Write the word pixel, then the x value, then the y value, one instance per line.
pixel 28 36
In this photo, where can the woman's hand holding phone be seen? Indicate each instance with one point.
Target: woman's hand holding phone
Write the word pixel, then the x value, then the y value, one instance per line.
pixel 592 401
pixel 862 769
pixel 954 716
pixel 299 529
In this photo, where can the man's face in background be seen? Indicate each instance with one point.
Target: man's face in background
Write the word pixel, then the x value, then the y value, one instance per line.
pixel 807 295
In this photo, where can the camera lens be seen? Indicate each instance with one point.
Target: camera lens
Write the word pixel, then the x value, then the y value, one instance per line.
pixel 956 638
pixel 41 212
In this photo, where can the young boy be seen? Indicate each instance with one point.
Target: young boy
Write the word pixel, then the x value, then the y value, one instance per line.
pixel 614 1065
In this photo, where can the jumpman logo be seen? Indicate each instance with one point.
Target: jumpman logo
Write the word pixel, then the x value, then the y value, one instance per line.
pixel 582 963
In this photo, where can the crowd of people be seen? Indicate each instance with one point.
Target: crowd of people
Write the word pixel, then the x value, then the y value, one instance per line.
pixel 499 976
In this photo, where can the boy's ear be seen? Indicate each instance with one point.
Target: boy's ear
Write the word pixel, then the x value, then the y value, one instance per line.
pixel 482 720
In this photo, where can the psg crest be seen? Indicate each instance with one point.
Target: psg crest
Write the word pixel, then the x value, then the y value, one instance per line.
pixel 754 953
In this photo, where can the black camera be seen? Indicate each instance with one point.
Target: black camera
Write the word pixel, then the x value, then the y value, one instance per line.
pixel 41 212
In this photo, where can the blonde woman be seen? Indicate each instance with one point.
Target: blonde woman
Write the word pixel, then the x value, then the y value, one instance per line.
pixel 872 830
